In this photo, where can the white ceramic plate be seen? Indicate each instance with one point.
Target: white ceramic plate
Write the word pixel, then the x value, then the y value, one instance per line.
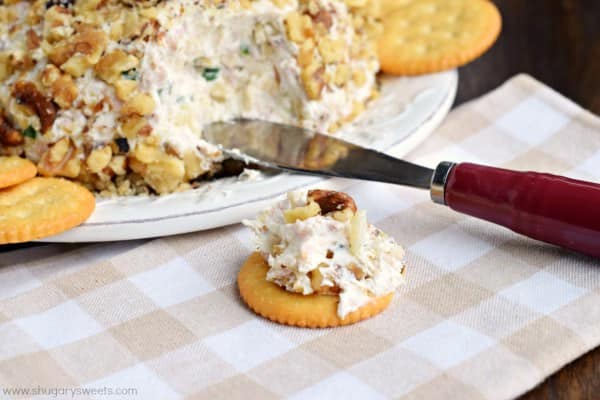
pixel 408 110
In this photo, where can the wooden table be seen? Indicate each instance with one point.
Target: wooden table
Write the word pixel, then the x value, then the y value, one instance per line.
pixel 558 43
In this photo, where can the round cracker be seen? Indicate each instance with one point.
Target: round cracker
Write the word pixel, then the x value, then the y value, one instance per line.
pixel 42 207
pixel 426 36
pixel 277 304
pixel 15 170
pixel 389 6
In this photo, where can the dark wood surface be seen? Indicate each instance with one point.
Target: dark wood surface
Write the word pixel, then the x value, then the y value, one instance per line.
pixel 558 43
pixel 555 41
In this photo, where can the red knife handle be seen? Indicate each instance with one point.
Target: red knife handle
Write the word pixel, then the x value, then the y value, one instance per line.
pixel 550 208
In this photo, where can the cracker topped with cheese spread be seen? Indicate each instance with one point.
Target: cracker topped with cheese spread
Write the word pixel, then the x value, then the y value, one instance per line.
pixel 115 93
pixel 317 247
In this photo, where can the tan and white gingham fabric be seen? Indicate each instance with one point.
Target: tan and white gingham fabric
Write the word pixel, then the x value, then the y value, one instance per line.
pixel 485 314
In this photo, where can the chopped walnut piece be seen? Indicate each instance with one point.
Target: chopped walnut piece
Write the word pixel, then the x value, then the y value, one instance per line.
pixel 332 51
pixel 124 88
pixel 323 17
pixel 306 53
pixel 60 160
pixel 64 91
pixel 299 27
pixel 193 165
pixel 9 136
pixel 33 40
pixel 358 273
pixel 112 65
pixel 88 5
pixel 80 51
pixel 57 22
pixel 141 104
pixel 22 61
pixel 342 75
pixel 6 67
pixel 26 93
pixel 315 279
pixel 312 78
pixel 316 283
pixel 301 213
pixel 118 165
pixel 164 174
pixel 49 75
pixel 343 216
pixel 135 126
pixel 145 131
pixel 99 159
pixel 331 201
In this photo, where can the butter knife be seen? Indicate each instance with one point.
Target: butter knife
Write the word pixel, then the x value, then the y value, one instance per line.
pixel 553 209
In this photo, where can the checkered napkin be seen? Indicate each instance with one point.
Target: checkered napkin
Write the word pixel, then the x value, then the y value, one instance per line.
pixel 485 314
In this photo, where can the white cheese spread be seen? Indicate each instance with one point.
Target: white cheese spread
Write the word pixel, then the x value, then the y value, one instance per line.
pixel 338 253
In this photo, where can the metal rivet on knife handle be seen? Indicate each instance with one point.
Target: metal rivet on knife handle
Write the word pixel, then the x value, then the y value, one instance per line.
pixel 438 182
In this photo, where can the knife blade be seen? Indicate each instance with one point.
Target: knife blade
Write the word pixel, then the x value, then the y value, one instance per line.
pixel 550 208
pixel 300 150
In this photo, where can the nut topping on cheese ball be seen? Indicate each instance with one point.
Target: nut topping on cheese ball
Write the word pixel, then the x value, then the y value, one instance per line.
pixel 116 93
